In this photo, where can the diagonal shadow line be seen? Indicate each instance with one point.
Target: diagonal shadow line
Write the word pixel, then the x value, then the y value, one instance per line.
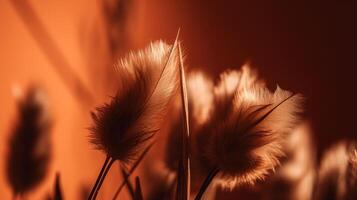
pixel 48 46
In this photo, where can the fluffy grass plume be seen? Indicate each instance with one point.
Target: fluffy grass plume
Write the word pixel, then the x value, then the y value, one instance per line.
pixel 220 106
pixel 29 145
pixel 200 97
pixel 244 143
pixel 148 80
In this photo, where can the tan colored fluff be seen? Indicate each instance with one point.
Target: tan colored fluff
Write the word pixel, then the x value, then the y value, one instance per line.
pixel 148 80
pixel 245 142
pixel 222 95
pixel 200 96
pixel 200 103
pixel 337 177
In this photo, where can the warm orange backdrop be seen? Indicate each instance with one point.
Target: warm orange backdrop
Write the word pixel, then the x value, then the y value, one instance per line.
pixel 306 47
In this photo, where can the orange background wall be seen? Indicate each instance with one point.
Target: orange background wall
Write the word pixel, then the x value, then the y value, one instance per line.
pixel 303 46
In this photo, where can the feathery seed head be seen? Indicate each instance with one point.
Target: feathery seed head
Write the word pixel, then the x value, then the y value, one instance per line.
pixel 221 96
pixel 200 99
pixel 245 142
pixel 148 80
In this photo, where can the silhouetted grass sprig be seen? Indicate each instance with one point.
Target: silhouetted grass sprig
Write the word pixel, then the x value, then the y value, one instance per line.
pixel 243 144
pixel 121 128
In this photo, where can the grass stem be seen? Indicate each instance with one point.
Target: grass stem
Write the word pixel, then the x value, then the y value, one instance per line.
pixel 103 177
pixel 99 178
pixel 206 183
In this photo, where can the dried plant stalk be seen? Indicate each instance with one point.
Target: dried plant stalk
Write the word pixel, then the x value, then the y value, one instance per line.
pixel 128 183
pixel 58 190
pixel 183 179
pixel 101 179
pixel 206 183
pixel 138 190
pixel 90 196
pixel 200 101
pixel 135 165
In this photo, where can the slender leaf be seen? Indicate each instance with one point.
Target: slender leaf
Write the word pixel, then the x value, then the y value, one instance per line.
pixel 183 179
